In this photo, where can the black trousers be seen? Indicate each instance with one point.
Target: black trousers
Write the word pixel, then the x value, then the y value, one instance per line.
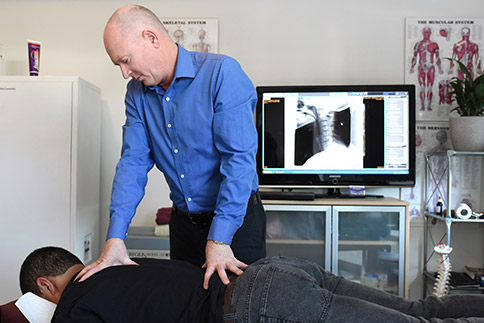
pixel 188 240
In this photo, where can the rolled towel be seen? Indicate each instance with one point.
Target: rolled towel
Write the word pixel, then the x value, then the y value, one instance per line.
pixel 162 230
pixel 163 215
pixel 35 308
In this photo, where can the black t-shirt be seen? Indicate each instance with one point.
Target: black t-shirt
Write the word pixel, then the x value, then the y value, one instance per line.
pixel 154 291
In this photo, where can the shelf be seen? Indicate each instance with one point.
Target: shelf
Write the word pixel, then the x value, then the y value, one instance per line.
pixel 385 201
pixel 456 177
pixel 443 218
pixel 464 153
pixel 295 241
pixel 341 242
pixel 368 242
pixel 458 281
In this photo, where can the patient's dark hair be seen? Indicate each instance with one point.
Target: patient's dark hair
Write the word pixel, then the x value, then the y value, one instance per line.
pixel 43 262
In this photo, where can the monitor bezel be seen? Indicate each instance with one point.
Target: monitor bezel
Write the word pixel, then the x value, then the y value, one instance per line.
pixel 337 180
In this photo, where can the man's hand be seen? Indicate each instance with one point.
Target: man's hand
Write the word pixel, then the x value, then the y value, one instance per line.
pixel 219 257
pixel 114 254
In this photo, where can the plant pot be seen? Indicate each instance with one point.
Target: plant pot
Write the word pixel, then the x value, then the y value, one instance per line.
pixel 467 133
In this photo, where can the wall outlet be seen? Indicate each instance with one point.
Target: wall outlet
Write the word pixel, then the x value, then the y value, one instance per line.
pixel 87 248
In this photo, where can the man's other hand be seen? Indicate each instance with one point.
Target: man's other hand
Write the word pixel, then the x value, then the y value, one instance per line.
pixel 114 254
pixel 219 257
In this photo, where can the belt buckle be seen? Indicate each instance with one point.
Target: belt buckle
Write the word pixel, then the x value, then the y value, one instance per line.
pixel 191 218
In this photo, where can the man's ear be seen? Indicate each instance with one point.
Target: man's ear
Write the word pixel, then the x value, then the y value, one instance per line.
pixel 47 288
pixel 151 36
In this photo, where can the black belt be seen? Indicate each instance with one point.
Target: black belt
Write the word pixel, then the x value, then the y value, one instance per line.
pixel 206 217
pixel 254 199
pixel 228 309
pixel 195 218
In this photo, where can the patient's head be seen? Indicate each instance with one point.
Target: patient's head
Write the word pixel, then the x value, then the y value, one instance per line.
pixel 46 272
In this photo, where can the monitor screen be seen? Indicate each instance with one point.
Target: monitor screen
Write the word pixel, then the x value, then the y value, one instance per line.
pixel 324 136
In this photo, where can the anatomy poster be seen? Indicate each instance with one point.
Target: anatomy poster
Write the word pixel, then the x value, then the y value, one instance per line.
pixel 194 34
pixel 430 42
pixel 431 137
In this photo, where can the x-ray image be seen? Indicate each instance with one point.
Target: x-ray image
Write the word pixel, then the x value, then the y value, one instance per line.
pixel 318 128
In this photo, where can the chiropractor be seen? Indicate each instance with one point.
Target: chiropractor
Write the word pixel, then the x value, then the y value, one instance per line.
pixel 191 115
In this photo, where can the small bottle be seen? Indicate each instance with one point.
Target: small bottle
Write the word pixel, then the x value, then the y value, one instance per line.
pixel 439 207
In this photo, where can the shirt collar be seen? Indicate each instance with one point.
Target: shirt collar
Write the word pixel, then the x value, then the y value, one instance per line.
pixel 184 64
pixel 184 68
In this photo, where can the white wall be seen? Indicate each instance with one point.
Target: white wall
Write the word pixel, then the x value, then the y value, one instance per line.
pixel 276 41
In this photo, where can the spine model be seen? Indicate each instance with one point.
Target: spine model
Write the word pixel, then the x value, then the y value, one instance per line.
pixel 441 286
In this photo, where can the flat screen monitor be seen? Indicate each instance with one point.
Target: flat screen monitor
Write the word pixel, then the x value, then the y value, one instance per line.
pixel 336 136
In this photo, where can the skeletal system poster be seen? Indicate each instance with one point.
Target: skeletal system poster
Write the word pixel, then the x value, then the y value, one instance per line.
pixel 194 34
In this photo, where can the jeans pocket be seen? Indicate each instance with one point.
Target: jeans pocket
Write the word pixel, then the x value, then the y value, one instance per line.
pixel 290 295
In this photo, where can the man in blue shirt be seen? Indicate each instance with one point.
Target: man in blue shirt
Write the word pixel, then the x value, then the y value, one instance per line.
pixel 191 115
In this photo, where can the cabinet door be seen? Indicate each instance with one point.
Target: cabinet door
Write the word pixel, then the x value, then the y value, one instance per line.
pixel 368 245
pixel 35 173
pixel 299 231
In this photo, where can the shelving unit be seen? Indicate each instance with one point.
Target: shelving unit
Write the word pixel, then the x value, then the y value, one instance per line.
pixel 364 240
pixel 456 177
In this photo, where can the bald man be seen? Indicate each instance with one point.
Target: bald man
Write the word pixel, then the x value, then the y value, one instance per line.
pixel 191 115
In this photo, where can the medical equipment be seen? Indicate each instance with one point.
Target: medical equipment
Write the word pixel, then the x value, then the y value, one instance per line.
pixel 441 286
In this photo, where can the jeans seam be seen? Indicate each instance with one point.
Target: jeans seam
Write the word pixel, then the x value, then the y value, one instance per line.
pixel 250 289
pixel 267 284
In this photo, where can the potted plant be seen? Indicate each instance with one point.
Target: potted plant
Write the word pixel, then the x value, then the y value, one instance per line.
pixel 467 131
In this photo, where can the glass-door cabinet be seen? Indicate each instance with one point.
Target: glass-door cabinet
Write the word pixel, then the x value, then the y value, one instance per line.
pixel 363 243
pixel 300 231
pixel 368 246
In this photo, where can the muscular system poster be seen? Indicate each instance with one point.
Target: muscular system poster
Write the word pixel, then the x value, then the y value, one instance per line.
pixel 429 44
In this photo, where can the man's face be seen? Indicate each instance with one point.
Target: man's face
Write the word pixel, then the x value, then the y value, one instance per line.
pixel 132 54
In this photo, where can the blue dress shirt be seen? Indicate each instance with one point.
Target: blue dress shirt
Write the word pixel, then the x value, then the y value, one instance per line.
pixel 200 133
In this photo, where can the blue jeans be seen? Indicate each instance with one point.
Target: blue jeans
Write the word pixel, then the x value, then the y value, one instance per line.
pixel 296 290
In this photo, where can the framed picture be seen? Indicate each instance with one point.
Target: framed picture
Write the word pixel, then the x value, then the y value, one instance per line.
pixel 193 34
pixel 429 44
pixel 430 137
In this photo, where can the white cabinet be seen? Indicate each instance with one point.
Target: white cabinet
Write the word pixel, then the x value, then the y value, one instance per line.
pixel 49 170
pixel 360 239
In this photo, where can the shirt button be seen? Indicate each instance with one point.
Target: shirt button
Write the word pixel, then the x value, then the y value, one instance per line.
pixel 189 199
pixel 167 98
pixel 169 125
pixel 176 151
pixel 182 176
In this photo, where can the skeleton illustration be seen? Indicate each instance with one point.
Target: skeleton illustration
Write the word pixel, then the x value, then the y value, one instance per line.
pixel 317 128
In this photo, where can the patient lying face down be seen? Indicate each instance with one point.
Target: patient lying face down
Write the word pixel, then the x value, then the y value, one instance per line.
pixel 270 289
pixel 171 290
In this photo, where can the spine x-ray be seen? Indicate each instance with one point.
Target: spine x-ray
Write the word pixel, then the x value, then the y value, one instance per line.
pixel 317 129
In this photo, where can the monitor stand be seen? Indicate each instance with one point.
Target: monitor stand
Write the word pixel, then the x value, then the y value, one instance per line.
pixel 287 195
pixel 335 193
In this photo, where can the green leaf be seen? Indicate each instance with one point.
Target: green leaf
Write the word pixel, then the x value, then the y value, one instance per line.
pixel 468 93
